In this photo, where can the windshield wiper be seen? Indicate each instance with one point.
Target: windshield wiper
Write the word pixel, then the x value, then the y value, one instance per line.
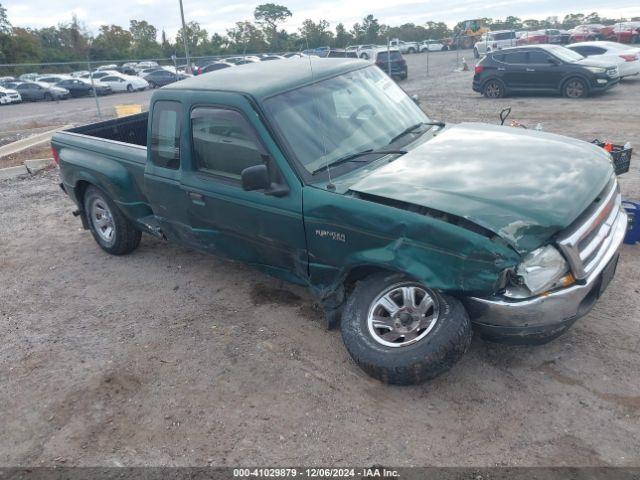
pixel 355 157
pixel 412 129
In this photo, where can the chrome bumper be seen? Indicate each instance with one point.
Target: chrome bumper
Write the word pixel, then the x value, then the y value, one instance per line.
pixel 553 308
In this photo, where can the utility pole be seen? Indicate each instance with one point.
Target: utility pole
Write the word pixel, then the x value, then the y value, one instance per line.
pixel 184 38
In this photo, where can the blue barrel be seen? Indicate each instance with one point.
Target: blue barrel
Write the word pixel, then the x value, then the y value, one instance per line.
pixel 633 229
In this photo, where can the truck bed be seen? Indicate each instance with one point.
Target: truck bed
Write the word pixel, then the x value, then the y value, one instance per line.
pixel 131 129
pixel 110 155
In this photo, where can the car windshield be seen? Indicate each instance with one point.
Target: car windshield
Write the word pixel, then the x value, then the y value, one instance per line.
pixel 343 115
pixel 565 54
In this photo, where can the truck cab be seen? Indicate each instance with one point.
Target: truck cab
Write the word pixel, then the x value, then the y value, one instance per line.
pixel 324 173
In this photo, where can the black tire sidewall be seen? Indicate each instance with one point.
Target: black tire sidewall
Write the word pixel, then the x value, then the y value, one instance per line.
pixel 497 82
pixel 566 84
pixel 433 355
pixel 127 237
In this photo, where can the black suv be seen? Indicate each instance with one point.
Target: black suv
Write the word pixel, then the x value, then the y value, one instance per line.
pixel 542 68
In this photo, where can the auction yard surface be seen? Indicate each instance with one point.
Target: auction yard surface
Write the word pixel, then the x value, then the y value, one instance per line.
pixel 171 357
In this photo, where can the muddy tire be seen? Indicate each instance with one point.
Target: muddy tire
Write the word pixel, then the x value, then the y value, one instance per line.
pixel 424 337
pixel 115 233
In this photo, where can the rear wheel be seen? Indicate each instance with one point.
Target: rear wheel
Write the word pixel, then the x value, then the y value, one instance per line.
pixel 401 332
pixel 364 56
pixel 412 50
pixel 493 89
pixel 575 88
pixel 115 233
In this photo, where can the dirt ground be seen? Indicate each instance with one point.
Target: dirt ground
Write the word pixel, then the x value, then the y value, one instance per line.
pixel 171 357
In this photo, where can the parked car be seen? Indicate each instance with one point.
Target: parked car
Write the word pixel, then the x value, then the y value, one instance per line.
pixel 124 83
pixel 33 91
pixel 340 53
pixel 111 66
pixel 625 57
pixel 586 33
pixel 126 70
pixel 81 88
pixel 8 96
pixel 242 60
pixel 406 230
pixel 80 73
pixel 28 77
pixel 162 77
pixel 624 32
pixel 432 46
pixel 97 75
pixel 392 63
pixel 146 64
pixel 547 36
pixel 212 67
pixel 53 79
pixel 542 68
pixel 404 47
pixel 492 41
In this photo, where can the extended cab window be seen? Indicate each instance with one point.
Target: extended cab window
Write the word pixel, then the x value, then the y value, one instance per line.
pixel 223 142
pixel 165 134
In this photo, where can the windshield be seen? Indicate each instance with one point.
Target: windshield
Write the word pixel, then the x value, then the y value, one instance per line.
pixel 565 54
pixel 343 115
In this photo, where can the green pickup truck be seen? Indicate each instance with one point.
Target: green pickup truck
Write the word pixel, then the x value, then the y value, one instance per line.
pixel 325 173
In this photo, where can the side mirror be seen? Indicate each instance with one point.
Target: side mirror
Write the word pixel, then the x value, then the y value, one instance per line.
pixel 255 178
pixel 416 99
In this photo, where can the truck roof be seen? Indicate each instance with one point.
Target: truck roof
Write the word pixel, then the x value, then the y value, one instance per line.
pixel 263 79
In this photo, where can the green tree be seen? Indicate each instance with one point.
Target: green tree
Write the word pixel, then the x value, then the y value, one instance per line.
pixel 268 15
pixel 112 43
pixel 143 36
pixel 370 29
pixel 197 39
pixel 316 34
pixel 572 20
pixel 245 37
pixel 5 25
pixel 343 37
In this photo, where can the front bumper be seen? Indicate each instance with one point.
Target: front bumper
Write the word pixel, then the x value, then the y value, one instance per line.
pixel 542 316
pixel 603 82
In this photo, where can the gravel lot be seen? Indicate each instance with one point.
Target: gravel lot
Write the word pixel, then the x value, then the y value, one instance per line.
pixel 171 357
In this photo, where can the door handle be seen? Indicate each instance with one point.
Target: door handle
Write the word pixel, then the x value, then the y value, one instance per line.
pixel 196 198
pixel 530 69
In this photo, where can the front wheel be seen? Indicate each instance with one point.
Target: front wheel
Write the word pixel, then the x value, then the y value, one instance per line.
pixel 401 332
pixel 364 56
pixel 412 50
pixel 575 88
pixel 114 232
pixel 129 88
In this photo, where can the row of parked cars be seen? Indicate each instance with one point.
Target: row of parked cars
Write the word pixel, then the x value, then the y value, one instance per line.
pixel 104 80
pixel 389 59
pixel 575 71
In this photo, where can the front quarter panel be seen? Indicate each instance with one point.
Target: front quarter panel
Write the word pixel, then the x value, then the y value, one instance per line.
pixel 344 233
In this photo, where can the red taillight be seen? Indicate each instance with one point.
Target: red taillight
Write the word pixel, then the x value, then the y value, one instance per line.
pixel 56 158
pixel 629 58
pixel 479 69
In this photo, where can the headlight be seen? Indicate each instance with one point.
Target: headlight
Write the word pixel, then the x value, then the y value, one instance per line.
pixel 596 69
pixel 539 271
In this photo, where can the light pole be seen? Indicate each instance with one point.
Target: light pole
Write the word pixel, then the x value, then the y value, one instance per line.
pixel 184 38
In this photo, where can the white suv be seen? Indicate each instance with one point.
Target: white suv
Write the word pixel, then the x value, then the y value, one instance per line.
pixel 491 41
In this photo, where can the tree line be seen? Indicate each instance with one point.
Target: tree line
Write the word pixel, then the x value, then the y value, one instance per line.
pixel 72 41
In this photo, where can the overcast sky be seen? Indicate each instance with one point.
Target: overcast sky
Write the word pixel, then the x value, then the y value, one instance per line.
pixel 218 15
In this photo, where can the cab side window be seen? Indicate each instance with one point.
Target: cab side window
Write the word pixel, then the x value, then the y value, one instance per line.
pixel 165 134
pixel 224 143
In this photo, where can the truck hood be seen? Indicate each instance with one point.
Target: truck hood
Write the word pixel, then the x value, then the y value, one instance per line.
pixel 523 185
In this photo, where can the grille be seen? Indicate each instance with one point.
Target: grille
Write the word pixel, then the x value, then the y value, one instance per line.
pixel 586 241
